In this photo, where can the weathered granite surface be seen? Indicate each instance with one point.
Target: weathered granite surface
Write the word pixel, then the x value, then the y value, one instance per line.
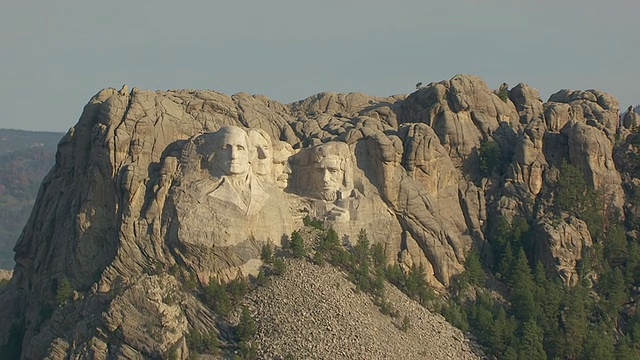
pixel 199 181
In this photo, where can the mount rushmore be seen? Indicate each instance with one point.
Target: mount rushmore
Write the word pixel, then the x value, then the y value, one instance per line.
pixel 200 180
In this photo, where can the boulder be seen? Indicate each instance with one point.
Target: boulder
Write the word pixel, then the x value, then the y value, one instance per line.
pixel 561 245
pixel 591 151
pixel 584 106
pixel 528 103
pixel 462 111
pixel 631 119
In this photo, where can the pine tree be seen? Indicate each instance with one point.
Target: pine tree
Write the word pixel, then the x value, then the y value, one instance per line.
pixel 236 289
pixel 297 245
pixel 576 197
pixel 625 350
pixel 279 266
pixel 261 279
pixel 490 157
pixel 613 287
pixel 330 241
pixel 378 258
pixel 456 315
pixel 502 332
pixel 572 188
pixel 549 295
pixel 474 272
pixel 530 344
pixel 361 250
pixel 64 292
pixel 202 343
pixel 416 285
pixel 377 285
pixel 318 258
pixel 616 249
pixel 481 316
pixel 501 246
pixel 216 297
pixel 523 289
pixel 574 321
pixel 505 262
pixel 267 253
pixel 598 345
pixel 246 328
pixel 360 262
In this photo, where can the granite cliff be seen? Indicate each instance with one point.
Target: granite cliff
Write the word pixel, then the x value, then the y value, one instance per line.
pixel 201 181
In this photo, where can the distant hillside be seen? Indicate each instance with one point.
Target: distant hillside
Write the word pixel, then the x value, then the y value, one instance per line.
pixel 14 140
pixel 25 158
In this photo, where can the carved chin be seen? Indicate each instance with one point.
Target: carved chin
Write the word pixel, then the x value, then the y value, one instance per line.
pixel 261 169
pixel 236 168
pixel 282 181
pixel 328 195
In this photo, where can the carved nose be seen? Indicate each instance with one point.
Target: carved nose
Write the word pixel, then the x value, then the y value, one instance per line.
pixel 233 153
pixel 261 154
pixel 326 176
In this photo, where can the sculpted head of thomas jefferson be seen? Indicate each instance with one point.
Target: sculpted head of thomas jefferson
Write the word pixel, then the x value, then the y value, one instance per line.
pixel 263 161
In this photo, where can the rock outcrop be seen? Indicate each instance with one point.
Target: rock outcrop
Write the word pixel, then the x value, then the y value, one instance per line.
pixel 5 274
pixel 463 112
pixel 152 188
pixel 561 246
pixel 591 106
pixel 590 150
pixel 631 119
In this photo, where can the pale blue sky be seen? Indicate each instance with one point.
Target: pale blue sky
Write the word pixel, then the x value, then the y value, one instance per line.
pixel 55 55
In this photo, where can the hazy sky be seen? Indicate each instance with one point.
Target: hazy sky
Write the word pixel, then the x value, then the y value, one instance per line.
pixel 55 56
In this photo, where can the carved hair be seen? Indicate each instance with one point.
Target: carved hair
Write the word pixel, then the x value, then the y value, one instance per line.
pixel 209 143
pixel 251 132
pixel 282 150
pixel 218 136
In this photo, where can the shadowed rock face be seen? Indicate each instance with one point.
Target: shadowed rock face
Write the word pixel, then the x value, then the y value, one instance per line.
pixel 199 181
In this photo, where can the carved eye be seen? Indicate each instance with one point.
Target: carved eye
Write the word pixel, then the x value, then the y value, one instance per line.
pixel 240 147
pixel 333 170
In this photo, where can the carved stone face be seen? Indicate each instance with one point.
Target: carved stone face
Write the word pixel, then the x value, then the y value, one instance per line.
pixel 281 168
pixel 261 165
pixel 233 153
pixel 285 172
pixel 282 171
pixel 329 177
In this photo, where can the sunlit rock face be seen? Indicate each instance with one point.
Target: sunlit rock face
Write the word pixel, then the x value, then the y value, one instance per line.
pixel 561 244
pixel 221 207
pixel 153 189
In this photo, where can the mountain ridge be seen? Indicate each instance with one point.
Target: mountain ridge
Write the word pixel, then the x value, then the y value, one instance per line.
pixel 417 174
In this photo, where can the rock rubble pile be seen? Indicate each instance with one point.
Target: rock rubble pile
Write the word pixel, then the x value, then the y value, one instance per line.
pixel 314 312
